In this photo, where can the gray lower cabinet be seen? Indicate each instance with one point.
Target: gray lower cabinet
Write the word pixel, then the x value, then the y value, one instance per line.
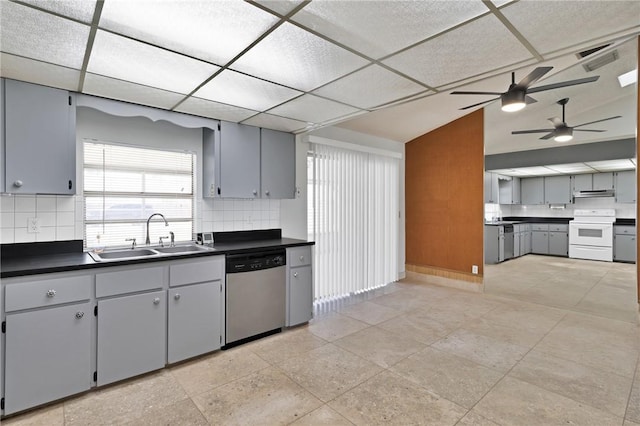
pixel 299 286
pixel 38 139
pixel 624 243
pixel 131 335
pixel 540 242
pixel 558 243
pixel 516 244
pixel 48 355
pixel 195 322
pixel 493 244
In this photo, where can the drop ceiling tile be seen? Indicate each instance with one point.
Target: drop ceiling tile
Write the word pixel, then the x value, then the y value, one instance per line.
pixel 379 28
pixel 80 10
pixel 571 168
pixel 612 165
pixel 298 59
pixel 280 6
pixel 205 108
pixel 215 31
pixel 570 22
pixel 129 60
pixel 130 92
pixel 238 89
pixel 276 123
pixel 37 72
pixel 474 48
pixel 370 87
pixel 538 171
pixel 39 35
pixel 313 109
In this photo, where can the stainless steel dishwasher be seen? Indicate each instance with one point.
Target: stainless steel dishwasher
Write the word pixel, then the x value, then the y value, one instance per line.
pixel 255 295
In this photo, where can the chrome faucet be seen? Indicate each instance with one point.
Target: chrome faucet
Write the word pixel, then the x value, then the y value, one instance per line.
pixel 148 240
pixel 173 239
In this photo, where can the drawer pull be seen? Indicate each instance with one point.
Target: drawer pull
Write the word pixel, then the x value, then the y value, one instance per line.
pixel 79 315
pixel 301 258
pixel 295 274
pixel 51 293
pixel 177 296
pixel 156 301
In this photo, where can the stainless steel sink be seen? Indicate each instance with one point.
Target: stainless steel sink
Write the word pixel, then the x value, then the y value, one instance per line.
pixel 141 253
pixel 180 249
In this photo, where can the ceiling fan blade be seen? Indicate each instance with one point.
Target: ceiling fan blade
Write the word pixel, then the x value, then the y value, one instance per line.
pixel 588 130
pixel 479 103
pixel 549 136
pixel 524 132
pixel 597 121
pixel 529 100
pixel 475 93
pixel 563 84
pixel 556 121
pixel 534 76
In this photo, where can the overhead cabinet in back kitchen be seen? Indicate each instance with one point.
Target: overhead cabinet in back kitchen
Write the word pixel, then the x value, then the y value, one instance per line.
pixel 38 141
pixel 243 161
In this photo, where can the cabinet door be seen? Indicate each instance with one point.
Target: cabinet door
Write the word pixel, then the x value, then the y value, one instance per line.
pixel 194 320
pixel 624 248
pixel 131 335
pixel 491 188
pixel 558 243
pixel 516 244
pixel 626 186
pixel 300 296
pixel 48 355
pixel 515 186
pixel 557 189
pixel 39 140
pixel 277 164
pixel 239 161
pixel 532 190
pixel 540 242
pixel 583 182
pixel 527 242
pixel 602 181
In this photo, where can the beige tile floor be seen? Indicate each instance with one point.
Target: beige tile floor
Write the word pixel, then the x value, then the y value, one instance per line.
pixel 412 353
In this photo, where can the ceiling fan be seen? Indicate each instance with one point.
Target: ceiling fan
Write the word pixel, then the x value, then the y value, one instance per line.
pixel 561 131
pixel 516 97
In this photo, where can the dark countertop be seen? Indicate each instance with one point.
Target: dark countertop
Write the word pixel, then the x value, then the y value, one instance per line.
pixel 509 220
pixel 625 222
pixel 43 263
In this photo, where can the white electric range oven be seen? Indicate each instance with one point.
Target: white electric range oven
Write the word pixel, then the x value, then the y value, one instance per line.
pixel 591 234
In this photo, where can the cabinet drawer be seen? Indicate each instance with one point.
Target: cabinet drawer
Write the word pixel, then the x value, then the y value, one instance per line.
pixel 49 292
pixel 624 230
pixel 130 281
pixel 539 227
pixel 559 228
pixel 299 256
pixel 196 271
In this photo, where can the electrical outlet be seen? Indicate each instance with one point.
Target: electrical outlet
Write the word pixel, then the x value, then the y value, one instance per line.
pixel 474 269
pixel 33 225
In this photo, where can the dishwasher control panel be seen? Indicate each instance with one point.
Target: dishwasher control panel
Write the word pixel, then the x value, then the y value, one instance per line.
pixel 255 262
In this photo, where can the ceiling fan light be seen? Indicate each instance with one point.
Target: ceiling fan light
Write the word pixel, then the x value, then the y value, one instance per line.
pixel 563 134
pixel 513 101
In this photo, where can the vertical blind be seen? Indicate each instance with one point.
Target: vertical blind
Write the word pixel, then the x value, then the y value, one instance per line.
pixel 353 218
pixel 124 185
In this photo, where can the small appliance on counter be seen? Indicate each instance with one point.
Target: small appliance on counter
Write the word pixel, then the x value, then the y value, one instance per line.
pixel 203 238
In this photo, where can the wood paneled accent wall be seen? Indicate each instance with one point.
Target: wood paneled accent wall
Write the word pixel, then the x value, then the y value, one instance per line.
pixel 638 178
pixel 444 199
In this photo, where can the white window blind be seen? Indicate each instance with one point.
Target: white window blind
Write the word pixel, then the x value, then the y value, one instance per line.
pixel 354 207
pixel 124 185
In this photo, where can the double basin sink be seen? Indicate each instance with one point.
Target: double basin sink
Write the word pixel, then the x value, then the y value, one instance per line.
pixel 141 253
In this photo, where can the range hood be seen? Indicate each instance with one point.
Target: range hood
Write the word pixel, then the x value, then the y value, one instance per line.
pixel 594 193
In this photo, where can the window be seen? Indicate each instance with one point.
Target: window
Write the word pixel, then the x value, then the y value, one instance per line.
pixel 124 185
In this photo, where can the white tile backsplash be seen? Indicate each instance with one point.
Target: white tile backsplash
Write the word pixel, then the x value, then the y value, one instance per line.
pixel 239 215
pixel 623 210
pixel 65 204
pixel 46 203
pixel 25 203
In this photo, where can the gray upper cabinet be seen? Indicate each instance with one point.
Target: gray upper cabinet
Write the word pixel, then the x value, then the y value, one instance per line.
pixel 239 161
pixel 625 186
pixel 39 139
pixel 582 182
pixel 602 181
pixel 278 164
pixel 532 190
pixel 509 190
pixel 491 188
pixel 557 189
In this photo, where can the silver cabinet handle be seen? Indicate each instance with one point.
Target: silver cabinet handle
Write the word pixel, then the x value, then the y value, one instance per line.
pixel 156 301
pixel 18 183
pixel 301 258
pixel 51 293
pixel 79 315
pixel 266 193
pixel 177 296
pixel 255 192
pixel 295 274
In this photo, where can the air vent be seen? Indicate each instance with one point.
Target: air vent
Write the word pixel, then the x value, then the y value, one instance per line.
pixel 588 52
pixel 601 61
